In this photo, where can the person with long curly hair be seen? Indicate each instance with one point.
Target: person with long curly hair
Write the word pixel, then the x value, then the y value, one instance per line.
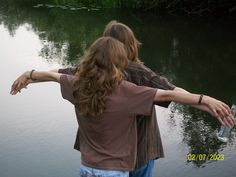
pixel 106 107
pixel 149 146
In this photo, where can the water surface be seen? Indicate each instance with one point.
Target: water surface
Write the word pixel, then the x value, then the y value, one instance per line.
pixel 37 127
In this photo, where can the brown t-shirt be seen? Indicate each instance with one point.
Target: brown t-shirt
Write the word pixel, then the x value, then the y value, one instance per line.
pixel 149 138
pixel 110 142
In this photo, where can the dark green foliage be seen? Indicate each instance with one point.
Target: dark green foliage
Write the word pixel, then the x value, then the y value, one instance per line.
pixel 86 3
pixel 191 7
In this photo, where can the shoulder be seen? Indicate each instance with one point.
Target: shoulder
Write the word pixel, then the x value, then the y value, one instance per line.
pixel 126 85
pixel 140 71
pixel 138 67
pixel 133 89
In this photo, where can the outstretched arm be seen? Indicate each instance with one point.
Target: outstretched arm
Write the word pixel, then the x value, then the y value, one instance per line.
pixel 219 109
pixel 156 81
pixel 33 77
pixel 200 107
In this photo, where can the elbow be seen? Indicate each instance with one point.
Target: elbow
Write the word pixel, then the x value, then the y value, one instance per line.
pixel 163 95
pixel 49 76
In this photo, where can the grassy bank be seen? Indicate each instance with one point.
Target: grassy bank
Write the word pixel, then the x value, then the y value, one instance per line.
pixel 190 7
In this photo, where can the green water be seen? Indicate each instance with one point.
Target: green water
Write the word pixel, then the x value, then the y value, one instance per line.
pixel 37 131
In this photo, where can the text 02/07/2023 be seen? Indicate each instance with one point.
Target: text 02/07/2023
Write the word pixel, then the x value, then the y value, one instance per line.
pixel 204 157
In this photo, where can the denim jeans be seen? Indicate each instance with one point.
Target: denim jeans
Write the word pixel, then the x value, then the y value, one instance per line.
pixel 144 171
pixel 93 172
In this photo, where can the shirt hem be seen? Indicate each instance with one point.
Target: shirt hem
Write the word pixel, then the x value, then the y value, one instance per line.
pixel 107 168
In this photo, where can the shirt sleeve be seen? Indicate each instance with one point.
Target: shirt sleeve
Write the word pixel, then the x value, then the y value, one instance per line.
pixel 161 82
pixel 69 71
pixel 157 81
pixel 66 83
pixel 142 75
pixel 140 99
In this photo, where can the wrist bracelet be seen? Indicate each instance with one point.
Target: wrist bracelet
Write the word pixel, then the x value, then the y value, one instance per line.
pixel 200 99
pixel 31 73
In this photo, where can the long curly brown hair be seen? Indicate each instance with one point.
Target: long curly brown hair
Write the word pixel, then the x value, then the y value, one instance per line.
pixel 100 72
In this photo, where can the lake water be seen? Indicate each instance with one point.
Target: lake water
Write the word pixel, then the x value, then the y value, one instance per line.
pixel 38 128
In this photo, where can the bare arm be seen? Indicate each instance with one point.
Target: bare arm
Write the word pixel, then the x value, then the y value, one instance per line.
pixel 54 70
pixel 200 107
pixel 219 109
pixel 44 76
pixel 37 76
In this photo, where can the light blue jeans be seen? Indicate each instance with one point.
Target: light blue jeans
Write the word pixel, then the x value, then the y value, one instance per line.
pixel 92 172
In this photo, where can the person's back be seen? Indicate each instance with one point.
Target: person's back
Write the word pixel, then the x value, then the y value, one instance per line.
pixel 106 107
pixel 110 141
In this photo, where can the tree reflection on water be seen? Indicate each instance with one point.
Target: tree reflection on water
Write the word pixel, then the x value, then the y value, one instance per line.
pixel 181 51
pixel 199 133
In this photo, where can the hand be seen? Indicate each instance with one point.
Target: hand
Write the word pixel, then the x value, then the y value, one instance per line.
pixel 220 110
pixel 19 83
pixel 227 121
